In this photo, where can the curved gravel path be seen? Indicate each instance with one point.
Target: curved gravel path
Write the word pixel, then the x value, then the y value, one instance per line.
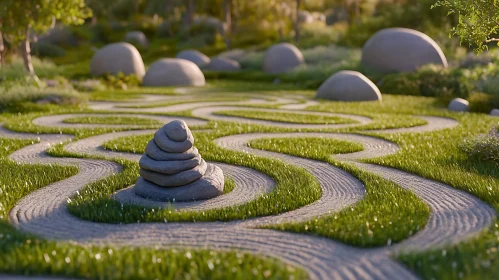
pixel 456 215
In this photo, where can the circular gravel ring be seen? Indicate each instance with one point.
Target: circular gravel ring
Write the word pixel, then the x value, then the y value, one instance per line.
pixel 250 185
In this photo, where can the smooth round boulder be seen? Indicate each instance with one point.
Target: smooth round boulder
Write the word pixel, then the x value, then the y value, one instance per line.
pixel 459 105
pixel 400 50
pixel 209 186
pixel 175 180
pixel 177 130
pixel 281 58
pixel 137 37
pixel 117 58
pixel 349 86
pixel 223 64
pixel 194 56
pixel 494 112
pixel 173 72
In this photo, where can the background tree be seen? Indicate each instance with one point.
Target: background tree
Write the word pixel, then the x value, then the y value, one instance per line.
pixel 22 17
pixel 297 21
pixel 478 21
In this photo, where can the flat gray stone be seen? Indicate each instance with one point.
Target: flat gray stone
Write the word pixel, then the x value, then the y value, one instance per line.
pixel 168 167
pixel 170 146
pixel 177 130
pixel 176 180
pixel 209 186
pixel 154 152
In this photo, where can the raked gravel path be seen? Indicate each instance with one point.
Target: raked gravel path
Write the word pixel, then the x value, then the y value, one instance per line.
pixel 455 215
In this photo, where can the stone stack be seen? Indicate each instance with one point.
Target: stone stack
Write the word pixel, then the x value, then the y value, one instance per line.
pixel 172 169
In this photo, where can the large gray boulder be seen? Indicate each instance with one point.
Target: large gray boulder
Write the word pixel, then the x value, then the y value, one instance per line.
pixel 177 173
pixel 223 64
pixel 281 58
pixel 117 58
pixel 459 105
pixel 137 38
pixel 194 56
pixel 349 86
pixel 173 72
pixel 494 112
pixel 400 50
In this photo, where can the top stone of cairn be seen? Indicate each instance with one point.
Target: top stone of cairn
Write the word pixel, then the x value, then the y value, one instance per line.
pixel 177 130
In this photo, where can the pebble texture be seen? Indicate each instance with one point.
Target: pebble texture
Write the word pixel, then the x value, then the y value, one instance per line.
pixel 173 72
pixel 282 58
pixel 459 105
pixel 177 172
pixel 400 50
pixel 349 86
pixel 117 58
pixel 194 56
pixel 456 215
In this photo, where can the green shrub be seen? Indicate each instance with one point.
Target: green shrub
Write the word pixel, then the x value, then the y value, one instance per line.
pixel 16 97
pixel 482 102
pixel 121 81
pixel 483 147
pixel 43 49
pixel 433 81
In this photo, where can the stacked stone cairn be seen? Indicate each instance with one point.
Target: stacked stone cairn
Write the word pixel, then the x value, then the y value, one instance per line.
pixel 172 169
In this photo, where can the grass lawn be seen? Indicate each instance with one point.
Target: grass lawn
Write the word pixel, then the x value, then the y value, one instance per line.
pixel 286 117
pixel 113 120
pixel 377 220
pixel 29 255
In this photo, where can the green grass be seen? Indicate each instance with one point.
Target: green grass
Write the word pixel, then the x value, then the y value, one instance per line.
pixel 387 214
pixel 286 117
pixel 295 187
pixel 132 93
pixel 193 99
pixel 313 147
pixel 113 120
pixel 25 254
pixel 437 156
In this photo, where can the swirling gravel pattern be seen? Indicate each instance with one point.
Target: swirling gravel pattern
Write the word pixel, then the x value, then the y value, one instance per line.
pixel 210 113
pixel 58 120
pixel 456 215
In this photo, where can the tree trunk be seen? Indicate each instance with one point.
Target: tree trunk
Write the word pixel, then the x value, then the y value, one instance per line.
pixel 297 22
pixel 190 13
pixel 26 55
pixel 2 48
pixel 357 10
pixel 228 23
pixel 168 15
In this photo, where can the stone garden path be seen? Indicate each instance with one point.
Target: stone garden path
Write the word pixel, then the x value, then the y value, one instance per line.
pixel 455 215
